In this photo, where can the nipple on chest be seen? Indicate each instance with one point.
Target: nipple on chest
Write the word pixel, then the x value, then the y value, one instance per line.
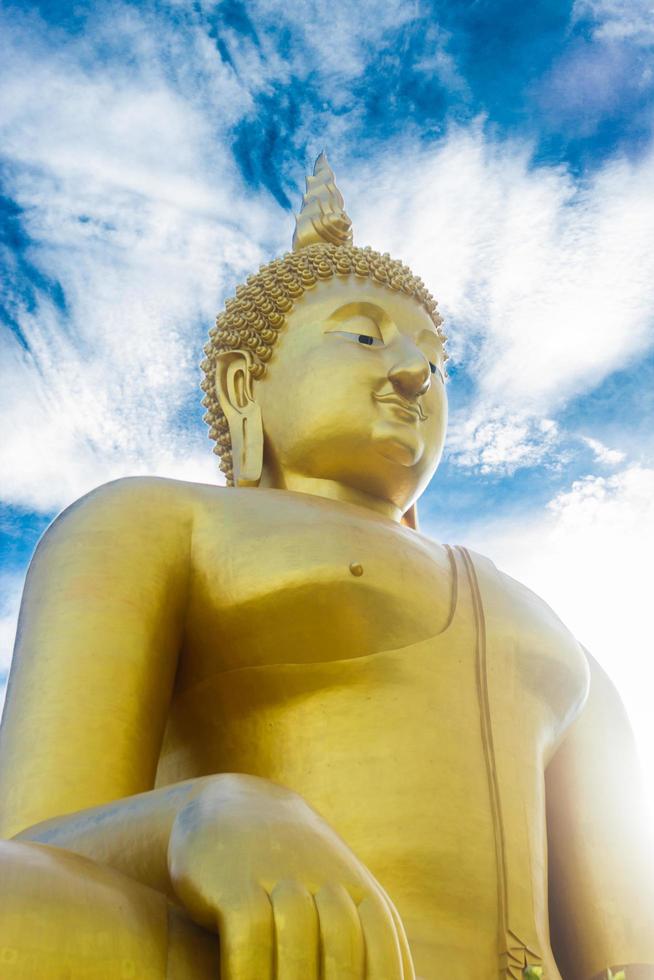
pixel 356 569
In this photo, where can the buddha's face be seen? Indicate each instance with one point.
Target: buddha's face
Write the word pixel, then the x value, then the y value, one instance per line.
pixel 354 392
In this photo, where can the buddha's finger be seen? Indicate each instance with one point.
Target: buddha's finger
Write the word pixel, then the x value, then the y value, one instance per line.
pixel 296 932
pixel 383 957
pixel 405 949
pixel 246 934
pixel 341 936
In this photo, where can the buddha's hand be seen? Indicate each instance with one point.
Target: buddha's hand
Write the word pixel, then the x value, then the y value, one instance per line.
pixel 289 899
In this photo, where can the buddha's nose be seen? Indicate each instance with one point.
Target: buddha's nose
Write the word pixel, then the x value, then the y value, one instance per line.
pixel 411 375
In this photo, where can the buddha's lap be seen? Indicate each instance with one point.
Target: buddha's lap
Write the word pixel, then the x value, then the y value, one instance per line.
pixel 63 915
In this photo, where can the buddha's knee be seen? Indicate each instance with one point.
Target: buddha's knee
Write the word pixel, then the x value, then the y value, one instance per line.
pixel 63 915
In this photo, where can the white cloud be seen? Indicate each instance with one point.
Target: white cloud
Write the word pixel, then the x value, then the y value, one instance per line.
pixel 619 19
pixel 439 63
pixel 334 40
pixel 589 554
pixel 134 207
pixel 10 592
pixel 546 283
pixel 602 453
pixel 502 442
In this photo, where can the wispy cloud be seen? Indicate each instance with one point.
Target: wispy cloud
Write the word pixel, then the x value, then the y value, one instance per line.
pixel 599 86
pixel 502 443
pixel 138 216
pixel 602 453
pixel 10 592
pixel 618 19
pixel 336 40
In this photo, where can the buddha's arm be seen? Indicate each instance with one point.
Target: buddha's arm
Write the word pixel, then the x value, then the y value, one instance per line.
pixel 131 835
pixel 96 653
pixel 601 868
pixel 254 862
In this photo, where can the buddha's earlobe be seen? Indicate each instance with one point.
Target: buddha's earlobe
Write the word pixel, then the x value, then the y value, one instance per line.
pixel 234 387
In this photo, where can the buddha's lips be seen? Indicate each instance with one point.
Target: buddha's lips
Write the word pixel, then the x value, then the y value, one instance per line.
pixel 413 408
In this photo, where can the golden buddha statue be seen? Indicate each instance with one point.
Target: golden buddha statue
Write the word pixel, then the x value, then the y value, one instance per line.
pixel 272 732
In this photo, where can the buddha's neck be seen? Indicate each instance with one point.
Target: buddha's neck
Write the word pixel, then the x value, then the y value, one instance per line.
pixel 331 489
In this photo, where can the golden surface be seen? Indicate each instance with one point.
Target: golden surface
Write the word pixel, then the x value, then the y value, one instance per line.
pixel 322 217
pixel 277 715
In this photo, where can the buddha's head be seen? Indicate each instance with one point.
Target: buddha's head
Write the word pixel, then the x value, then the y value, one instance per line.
pixel 328 365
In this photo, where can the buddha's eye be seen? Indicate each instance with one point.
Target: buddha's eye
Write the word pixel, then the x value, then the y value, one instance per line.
pixel 432 367
pixel 359 338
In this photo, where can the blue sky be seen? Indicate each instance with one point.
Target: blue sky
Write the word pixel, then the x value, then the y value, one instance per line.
pixel 151 156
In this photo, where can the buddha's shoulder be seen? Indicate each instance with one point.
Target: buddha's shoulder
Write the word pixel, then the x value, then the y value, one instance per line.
pixel 511 607
pixel 142 500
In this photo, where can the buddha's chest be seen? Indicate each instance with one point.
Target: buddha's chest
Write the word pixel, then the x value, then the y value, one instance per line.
pixel 309 583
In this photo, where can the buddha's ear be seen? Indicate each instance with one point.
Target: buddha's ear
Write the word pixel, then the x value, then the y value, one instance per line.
pixel 234 388
pixel 410 517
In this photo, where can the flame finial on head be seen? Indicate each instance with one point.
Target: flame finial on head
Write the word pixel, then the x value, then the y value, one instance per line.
pixel 322 217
